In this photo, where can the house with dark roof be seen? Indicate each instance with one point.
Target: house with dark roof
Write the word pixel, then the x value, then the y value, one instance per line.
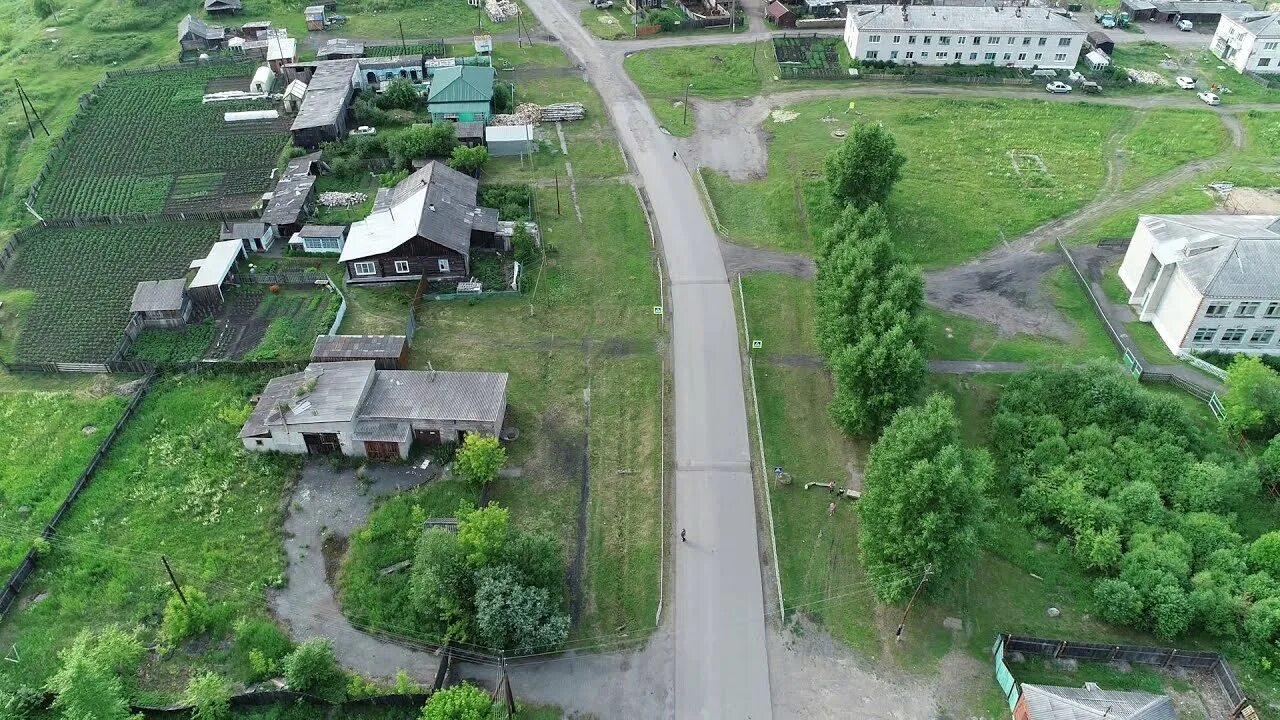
pixel 294 198
pixel 780 15
pixel 462 93
pixel 254 236
pixel 341 49
pixel 161 303
pixel 353 408
pixel 222 7
pixel 194 34
pixel 427 225
pixel 322 116
pixel 1207 282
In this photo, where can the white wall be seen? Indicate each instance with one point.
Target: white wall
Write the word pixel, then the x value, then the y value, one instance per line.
pixel 896 46
pixel 1248 51
pixel 1176 311
pixel 1135 259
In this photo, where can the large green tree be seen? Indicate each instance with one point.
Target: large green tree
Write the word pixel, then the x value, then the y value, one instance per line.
pixel 922 500
pixel 1252 399
pixel 865 167
pixel 515 616
pixel 480 459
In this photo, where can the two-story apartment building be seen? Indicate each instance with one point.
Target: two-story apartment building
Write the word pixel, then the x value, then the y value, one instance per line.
pixel 1207 282
pixel 1249 42
pixel 945 35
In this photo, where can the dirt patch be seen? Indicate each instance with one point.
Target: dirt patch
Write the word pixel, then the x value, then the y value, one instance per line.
pixel 742 259
pixel 1007 291
pixel 1252 201
pixel 334 548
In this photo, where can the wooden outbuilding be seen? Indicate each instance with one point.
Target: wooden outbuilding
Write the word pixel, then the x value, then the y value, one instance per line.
pixel 388 352
pixel 161 303
pixel 780 15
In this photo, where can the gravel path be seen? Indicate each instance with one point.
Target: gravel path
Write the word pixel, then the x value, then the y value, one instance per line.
pixel 743 259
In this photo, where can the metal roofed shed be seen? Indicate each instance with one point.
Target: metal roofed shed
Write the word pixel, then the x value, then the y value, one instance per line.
pixel 469 133
pixel 212 271
pixel 1101 41
pixel 507 140
pixel 459 397
pixel 323 114
pixel 388 352
pixel 1043 702
pixel 231 7
pixel 341 49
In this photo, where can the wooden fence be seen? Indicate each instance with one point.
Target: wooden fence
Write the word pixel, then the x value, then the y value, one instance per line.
pixel 148 367
pixel 1136 654
pixel 18 579
pixel 926 77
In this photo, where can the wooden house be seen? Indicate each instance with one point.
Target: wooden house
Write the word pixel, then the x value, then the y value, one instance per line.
pixel 161 303
pixel 254 236
pixel 780 15
pixel 462 93
pixel 388 352
pixel 194 34
pixel 222 7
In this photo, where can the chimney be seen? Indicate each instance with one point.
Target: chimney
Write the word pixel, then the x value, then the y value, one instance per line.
pixel 432 206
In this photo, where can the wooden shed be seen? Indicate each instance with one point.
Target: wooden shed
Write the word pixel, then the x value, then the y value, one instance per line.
pixel 780 15
pixel 388 352
pixel 161 303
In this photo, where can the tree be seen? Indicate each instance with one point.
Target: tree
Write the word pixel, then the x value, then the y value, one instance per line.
pixel 1264 553
pixel 442 583
pixel 514 616
pixel 441 138
pixel 483 534
pixel 89 685
pixel 874 378
pixel 460 702
pixel 922 499
pixel 1139 502
pixel 210 696
pixel 1170 611
pixel 479 459
pixel 399 94
pixel 1269 465
pixel 408 145
pixel 865 167
pixel 1252 399
pixel 468 159
pixel 538 558
pixel 1116 601
pixel 313 668
pixel 503 100
pixel 523 246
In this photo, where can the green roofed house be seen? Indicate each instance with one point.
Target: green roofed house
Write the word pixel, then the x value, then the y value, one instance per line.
pixel 461 93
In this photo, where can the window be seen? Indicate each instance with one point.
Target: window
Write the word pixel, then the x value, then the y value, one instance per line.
pixel 443 265
pixel 977 39
pixel 1022 56
pixel 1262 335
pixel 1204 335
pixel 1269 45
pixel 911 39
pixel 1042 41
pixel 402 267
pixel 258 443
pixel 1232 335
pixel 897 39
pixel 973 56
pixel 958 56
pixel 1060 57
pixel 1273 309
pixel 365 268
pixel 873 38
pixel 1216 310
pixel 924 55
pixel 893 54
pixel 962 39
pixel 910 54
pixel 1064 42
pixel 1008 57
pixel 993 40
pixel 1247 309
pixel 324 243
pixel 1263 62
pixel 944 39
pixel 873 54
pixel 1026 41
pixel 1012 40
pixel 1038 56
pixel 989 56
pixel 928 39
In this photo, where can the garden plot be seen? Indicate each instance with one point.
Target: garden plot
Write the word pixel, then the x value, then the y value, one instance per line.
pixel 148 144
pixel 83 279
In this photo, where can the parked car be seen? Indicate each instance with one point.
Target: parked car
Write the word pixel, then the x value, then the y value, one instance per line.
pixel 602 4
pixel 1091 87
pixel 1209 98
pixel 1185 82
pixel 1057 86
pixel 365 130
pixel 1184 25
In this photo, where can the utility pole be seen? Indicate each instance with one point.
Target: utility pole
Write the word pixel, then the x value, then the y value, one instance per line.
pixel 557 192
pixel 504 689
pixel 928 570
pixel 173 579
pixel 25 99
pixel 684 120
pixel 403 47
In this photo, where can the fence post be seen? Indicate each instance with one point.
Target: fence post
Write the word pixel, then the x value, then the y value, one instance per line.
pixel 1170 658
pixel 1061 647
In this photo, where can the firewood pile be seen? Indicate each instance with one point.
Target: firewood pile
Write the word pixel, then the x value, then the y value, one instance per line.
pixel 501 10
pixel 531 114
pixel 341 199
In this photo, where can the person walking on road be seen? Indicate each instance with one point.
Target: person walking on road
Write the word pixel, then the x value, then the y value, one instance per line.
pixel 681 534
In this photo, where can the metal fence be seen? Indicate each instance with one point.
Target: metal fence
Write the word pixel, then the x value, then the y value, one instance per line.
pixel 18 579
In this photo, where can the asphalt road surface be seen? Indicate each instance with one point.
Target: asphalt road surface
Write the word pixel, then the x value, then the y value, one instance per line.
pixel 720 663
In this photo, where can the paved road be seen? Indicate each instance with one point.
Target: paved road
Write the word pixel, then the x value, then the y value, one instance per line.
pixel 720 664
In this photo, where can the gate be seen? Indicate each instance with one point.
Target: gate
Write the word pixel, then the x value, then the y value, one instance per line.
pixel 382 450
pixel 322 443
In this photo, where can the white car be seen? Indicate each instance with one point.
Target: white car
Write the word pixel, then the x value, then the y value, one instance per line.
pixel 1185 82
pixel 1057 86
pixel 1184 25
pixel 365 130
pixel 1209 98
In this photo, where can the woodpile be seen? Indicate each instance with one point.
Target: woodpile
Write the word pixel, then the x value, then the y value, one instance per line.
pixel 557 112
pixel 501 10
pixel 341 199
pixel 530 114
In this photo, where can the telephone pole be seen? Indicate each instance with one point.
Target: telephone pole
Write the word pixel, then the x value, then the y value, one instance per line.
pixel 173 579
pixel 928 570
pixel 25 100
pixel 504 689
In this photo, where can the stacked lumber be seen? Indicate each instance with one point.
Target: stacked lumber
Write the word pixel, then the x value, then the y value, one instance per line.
pixel 501 10
pixel 530 114
pixel 557 112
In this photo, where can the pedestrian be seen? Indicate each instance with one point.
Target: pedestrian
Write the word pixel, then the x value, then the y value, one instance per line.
pixel 673 154
pixel 831 509
pixel 681 534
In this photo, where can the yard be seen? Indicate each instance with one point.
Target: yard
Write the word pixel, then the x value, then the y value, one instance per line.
pixel 612 24
pixel 1167 139
pixel 714 72
pixel 1170 62
pixel 177 483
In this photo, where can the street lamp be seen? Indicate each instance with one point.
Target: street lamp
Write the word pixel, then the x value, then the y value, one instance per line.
pixel 684 120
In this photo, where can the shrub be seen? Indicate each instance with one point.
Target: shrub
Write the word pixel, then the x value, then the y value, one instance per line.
pixel 367 113
pixel 259 647
pixel 1116 601
pixel 399 94
pixel 511 201
pixel 1264 553
pixel 479 459
pixel 468 160
pixel 186 620
pixel 210 697
pixel 1262 622
pixel 503 102
pixel 1252 399
pixel 313 668
pixel 523 246
pixel 1170 611
pixel 460 702
pixel 20 702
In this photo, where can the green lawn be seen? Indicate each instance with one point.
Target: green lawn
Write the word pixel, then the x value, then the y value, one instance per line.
pixel 1197 63
pixel 1261 135
pixel 715 72
pixel 1166 139
pixel 956 198
pixel 177 483
pixel 612 24
pixel 14 305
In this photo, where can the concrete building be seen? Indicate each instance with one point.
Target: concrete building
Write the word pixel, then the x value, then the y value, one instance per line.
pixel 1045 702
pixel 1207 282
pixel 945 35
pixel 1249 42
pixel 353 408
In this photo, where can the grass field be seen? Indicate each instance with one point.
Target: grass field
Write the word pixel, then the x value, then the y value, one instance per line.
pixel 715 72
pixel 75 419
pixel 1004 169
pixel 611 24
pixel 83 280
pixel 177 482
pixel 1197 63
pixel 1166 139
pixel 14 305
pixel 1261 135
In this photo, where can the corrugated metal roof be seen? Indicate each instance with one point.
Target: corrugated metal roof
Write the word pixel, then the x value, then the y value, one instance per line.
pixel 213 268
pixel 1221 255
pixel 327 94
pixel 437 395
pixel 223 5
pixel 382 430
pixel 435 202
pixel 158 295
pixel 323 230
pixel 197 28
pixel 1046 702
pixel 1261 24
pixel 365 347
pixel 461 84
pixel 341 46
pixel 291 193
pixel 1201 7
pixel 959 20
pixel 335 397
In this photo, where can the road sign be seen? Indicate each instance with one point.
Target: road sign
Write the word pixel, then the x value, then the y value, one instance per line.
pixel 757 344
pixel 657 309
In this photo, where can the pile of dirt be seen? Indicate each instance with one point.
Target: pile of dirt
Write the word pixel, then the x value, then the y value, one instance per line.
pixel 783 116
pixel 1252 201
pixel 1145 77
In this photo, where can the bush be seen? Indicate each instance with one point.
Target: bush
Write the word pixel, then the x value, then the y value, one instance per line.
pixel 512 202
pixel 1116 601
pixel 1264 554
pixel 399 94
pixel 503 102
pixel 669 19
pixel 460 702
pixel 186 620
pixel 1252 399
pixel 1262 622
pixel 367 113
pixel 1170 611
pixel 313 668
pixel 259 647
pixel 20 702
pixel 523 246
pixel 479 459
pixel 468 160
pixel 210 697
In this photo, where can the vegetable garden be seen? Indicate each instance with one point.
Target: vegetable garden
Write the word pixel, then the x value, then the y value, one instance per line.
pixel 84 280
pixel 146 143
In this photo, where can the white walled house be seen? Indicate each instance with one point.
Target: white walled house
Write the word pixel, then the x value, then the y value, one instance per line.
pixel 1207 282
pixel 945 35
pixel 1249 42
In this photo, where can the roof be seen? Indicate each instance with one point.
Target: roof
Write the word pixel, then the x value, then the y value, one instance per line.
pixel 462 83
pixel 363 347
pixel 213 268
pixel 191 25
pixel 292 191
pixel 282 48
pixel 1201 7
pixel 485 220
pixel 776 10
pixel 323 230
pixel 222 5
pixel 158 295
pixel 296 88
pixel 1098 58
pixel 327 94
pixel 1091 703
pixel 436 202
pixel 508 133
pixel 1221 255
pixel 1260 23
pixel 1097 37
pixel 341 46
pixel 241 230
pixel 1138 5
pixel 335 396
pixel 437 395
pixel 961 19
pixel 468 130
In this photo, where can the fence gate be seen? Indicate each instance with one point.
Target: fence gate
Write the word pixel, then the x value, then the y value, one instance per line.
pixel 1215 404
pixel 1132 363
